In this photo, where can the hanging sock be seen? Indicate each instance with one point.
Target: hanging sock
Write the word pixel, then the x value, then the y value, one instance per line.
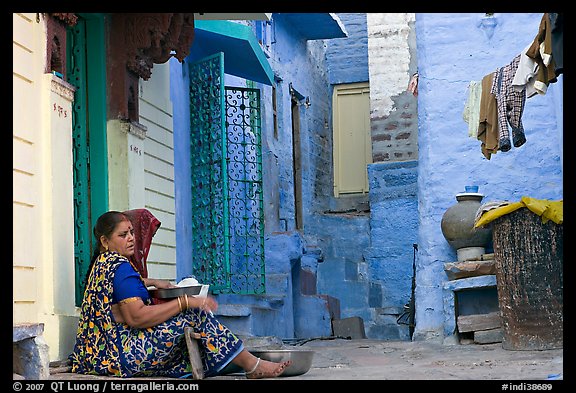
pixel 504 144
pixel 518 137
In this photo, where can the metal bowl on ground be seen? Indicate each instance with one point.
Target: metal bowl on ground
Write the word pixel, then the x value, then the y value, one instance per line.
pixel 301 359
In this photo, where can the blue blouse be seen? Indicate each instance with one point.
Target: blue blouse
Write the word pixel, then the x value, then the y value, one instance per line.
pixel 127 284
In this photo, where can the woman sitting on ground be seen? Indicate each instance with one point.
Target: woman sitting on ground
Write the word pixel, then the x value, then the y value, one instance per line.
pixel 121 333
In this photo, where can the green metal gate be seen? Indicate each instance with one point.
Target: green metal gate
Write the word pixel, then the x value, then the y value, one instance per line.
pixel 226 167
pixel 80 152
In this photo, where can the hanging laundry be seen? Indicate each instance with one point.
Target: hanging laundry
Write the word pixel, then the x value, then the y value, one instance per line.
pixel 510 106
pixel 413 85
pixel 471 114
pixel 525 74
pixel 557 37
pixel 488 124
pixel 541 51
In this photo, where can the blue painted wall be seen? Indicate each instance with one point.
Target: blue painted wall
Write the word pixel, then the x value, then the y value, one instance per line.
pixel 454 49
pixel 369 258
pixel 299 64
pixel 347 58
pixel 393 233
pixel 365 260
pixel 179 81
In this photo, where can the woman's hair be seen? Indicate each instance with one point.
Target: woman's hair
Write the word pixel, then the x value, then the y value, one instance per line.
pixel 105 226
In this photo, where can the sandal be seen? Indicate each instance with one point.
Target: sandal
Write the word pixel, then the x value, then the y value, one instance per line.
pixel 257 371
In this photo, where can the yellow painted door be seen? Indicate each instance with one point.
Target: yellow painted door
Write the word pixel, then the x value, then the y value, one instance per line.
pixel 352 146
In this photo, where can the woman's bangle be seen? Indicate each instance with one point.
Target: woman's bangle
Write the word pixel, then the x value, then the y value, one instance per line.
pixel 186 297
pixel 179 303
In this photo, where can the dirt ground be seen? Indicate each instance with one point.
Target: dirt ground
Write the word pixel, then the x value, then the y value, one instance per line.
pixel 401 360
pixel 366 359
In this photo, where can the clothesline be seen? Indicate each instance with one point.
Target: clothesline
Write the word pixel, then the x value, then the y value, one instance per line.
pixel 498 100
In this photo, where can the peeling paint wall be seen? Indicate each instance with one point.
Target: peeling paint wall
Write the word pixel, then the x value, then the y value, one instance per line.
pixel 393 110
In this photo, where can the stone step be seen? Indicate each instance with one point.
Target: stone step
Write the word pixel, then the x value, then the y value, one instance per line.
pixel 476 322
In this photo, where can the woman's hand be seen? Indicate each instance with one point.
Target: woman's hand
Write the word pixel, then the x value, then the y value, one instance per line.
pixel 163 284
pixel 159 283
pixel 207 303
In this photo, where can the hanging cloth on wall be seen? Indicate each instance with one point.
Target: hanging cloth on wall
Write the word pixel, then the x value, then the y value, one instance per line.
pixel 525 74
pixel 528 74
pixel 510 106
pixel 471 114
pixel 557 37
pixel 541 51
pixel 488 118
pixel 413 85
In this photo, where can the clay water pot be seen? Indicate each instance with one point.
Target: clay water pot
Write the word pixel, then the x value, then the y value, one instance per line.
pixel 458 226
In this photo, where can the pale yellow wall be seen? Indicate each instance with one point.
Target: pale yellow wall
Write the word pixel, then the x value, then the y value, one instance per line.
pixel 43 222
pixel 59 311
pixel 156 114
pixel 27 231
pixel 125 164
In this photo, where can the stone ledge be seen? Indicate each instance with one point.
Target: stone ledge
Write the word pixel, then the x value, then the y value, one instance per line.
pixel 465 269
pixel 233 310
pixel 26 330
pixel 30 357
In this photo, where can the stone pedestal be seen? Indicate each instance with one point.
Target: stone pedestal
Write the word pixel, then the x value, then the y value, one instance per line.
pixel 449 296
pixel 30 358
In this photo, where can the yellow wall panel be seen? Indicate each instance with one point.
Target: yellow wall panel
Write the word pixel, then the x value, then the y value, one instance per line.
pixel 24 312
pixel 163 254
pixel 159 201
pixel 22 30
pixel 154 115
pixel 159 184
pixel 26 242
pixel 27 291
pixel 26 114
pixel 23 63
pixel 155 90
pixel 24 158
pixel 24 189
pixel 165 235
pixel 159 150
pixel 165 272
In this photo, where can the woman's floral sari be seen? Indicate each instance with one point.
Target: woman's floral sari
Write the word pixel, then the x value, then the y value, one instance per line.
pixel 106 347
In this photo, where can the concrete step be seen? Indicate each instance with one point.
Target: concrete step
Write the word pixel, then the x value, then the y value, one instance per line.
pixel 251 320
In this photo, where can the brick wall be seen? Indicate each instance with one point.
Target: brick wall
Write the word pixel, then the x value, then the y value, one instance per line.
pixel 393 110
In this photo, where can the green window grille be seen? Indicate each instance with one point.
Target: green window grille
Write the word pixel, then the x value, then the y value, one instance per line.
pixel 226 167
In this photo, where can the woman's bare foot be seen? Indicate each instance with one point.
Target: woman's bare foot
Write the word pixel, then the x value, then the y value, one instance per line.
pixel 266 369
